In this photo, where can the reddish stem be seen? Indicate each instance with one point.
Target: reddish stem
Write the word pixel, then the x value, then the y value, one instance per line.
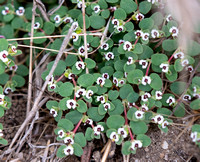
pixel 77 126
pixel 136 42
pixel 136 106
pixel 74 82
pixel 171 58
pixel 126 122
pixel 148 69
pixel 60 78
pixel 128 20
pixel 80 58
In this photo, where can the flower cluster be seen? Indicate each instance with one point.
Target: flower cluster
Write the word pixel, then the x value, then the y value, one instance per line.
pixel 118 25
pixel 51 83
pixel 159 119
pixel 121 133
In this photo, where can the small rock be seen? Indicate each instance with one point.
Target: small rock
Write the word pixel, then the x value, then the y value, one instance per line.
pixel 165 145
pixel 166 157
pixel 146 149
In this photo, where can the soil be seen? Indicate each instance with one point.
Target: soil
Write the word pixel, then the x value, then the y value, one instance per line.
pixel 162 149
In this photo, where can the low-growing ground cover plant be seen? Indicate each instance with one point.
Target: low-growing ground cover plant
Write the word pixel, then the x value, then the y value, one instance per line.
pixel 127 74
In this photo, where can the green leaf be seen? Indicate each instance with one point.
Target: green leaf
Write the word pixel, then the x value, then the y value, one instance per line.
pixel 138 49
pixel 86 80
pixel 2 67
pixel 94 115
pixel 19 80
pixel 157 59
pixel 90 64
pixel 70 60
pixel 66 89
pixel 145 7
pixel 193 48
pixel 129 26
pixel 195 105
pixel 119 65
pixel 158 18
pixel 103 4
pixel 134 76
pixel 115 121
pixel 178 87
pixel 66 124
pixel 74 13
pixel 169 45
pixel 82 107
pixel 88 134
pixel 132 97
pixel 80 139
pixel 138 127
pixel 1 112
pixel 62 104
pixel 164 111
pixel 60 152
pixel 39 41
pixel 177 65
pixel 51 103
pixel 172 76
pixel 78 151
pixel 74 116
pixel 196 128
pixel 129 6
pixel 107 69
pixel 156 81
pixel 146 141
pixel 60 68
pixel 126 148
pixel 105 14
pixel 3 142
pixel 17 23
pixel 3 44
pixel 112 1
pixel 4 78
pixel 97 22
pixel 56 45
pixel 87 21
pixel 113 94
pixel 49 28
pixel 125 90
pixel 7 31
pixel 146 23
pixel 119 108
pixel 180 111
pixel 22 70
pixel 120 14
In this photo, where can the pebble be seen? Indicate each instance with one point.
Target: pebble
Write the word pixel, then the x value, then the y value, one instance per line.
pixel 165 145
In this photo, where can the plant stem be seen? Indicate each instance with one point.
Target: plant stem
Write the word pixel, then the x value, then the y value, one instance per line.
pixel 77 126
pixel 74 82
pixel 148 69
pixel 60 78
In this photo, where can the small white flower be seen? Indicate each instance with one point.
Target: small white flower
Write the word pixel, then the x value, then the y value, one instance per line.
pixel 130 61
pixel 139 17
pixel 69 140
pixel 53 112
pixel 196 95
pixel 36 25
pixel 3 56
pixel 115 81
pixel 186 97
pixel 109 56
pixel 89 94
pixel 71 104
pixel 146 80
pixel 158 95
pixel 20 11
pixel 105 46
pixel 101 99
pixel 194 89
pixel 179 55
pixel 122 81
pixel 1 133
pixel 121 41
pixel 1 99
pixel 131 104
pixel 114 137
pixel 113 8
pixel 100 81
pixel 155 33
pixel 96 8
pixel 170 100
pixel 136 144
pixel 70 76
pixel 139 114
pixel 189 68
pixel 75 25
pixel 138 33
pixel 79 5
pixel 57 19
pixel 75 37
pixel 144 107
pixel 122 132
pixel 158 119
pixel 120 28
pixel 144 63
pixel 6 11
pixel 164 67
pixel 61 133
pixel 115 22
pixel 164 124
pixel 80 92
pixel 98 129
pixel 184 62
pixel 145 36
pixel 152 1
pixel 145 97
pixel 125 74
pixel 89 121
pixel 174 31
pixel 14 49
pixel 14 68
pixel 127 46
pixel 8 90
pixel 169 18
pixel 51 79
pixel 68 20
pixel 52 86
pixel 106 106
pixel 194 136
pixel 81 50
pixel 69 150
pixel 105 75
pixel 80 65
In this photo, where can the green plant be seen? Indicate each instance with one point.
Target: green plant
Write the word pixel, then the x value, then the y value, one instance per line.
pixel 118 85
